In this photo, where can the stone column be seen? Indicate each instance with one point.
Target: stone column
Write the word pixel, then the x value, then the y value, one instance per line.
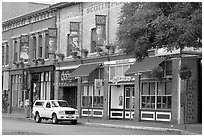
pixel 105 93
pixel 56 86
pixel 175 92
pixel 79 90
pixel 18 49
pixel 31 48
pixel 43 44
pixel 137 99
pixel 37 46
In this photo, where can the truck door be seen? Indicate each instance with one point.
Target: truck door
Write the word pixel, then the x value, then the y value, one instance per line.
pixel 48 110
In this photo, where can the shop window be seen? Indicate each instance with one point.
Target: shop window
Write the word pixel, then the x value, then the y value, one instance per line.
pixel 156 95
pixel 45 85
pixel 118 70
pixel 92 97
pixel 18 95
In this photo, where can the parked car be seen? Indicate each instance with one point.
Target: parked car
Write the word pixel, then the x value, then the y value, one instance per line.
pixel 56 110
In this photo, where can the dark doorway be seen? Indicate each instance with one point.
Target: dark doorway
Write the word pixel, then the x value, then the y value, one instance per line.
pixel 70 95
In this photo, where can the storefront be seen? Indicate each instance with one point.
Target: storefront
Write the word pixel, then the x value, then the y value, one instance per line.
pixel 41 85
pixel 155 89
pixel 90 82
pixel 17 97
pixel 121 89
pixel 68 87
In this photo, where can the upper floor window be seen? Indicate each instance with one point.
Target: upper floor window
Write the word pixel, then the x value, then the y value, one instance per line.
pixel 93 40
pixel 40 46
pixel 3 55
pixel 7 54
pixel 34 47
pixel 15 50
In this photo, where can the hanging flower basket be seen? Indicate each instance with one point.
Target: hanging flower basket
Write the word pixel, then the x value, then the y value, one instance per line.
pixel 74 54
pixel 35 60
pixel 85 52
pixel 185 72
pixel 157 73
pixel 60 55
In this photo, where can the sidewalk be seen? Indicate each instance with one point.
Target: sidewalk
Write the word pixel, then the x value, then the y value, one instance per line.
pixel 191 129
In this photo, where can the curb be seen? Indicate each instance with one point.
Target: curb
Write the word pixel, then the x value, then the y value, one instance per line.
pixel 178 131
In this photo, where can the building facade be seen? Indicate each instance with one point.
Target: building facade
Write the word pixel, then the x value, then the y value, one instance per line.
pixel 28 66
pixel 72 56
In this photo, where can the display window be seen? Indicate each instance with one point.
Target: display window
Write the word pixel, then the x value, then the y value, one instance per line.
pixel 156 95
pixel 19 96
pixel 92 97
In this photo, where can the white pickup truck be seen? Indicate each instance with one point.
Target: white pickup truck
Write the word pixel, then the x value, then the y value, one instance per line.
pixel 57 110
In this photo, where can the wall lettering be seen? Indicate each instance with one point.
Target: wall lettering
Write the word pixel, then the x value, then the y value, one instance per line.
pixel 93 8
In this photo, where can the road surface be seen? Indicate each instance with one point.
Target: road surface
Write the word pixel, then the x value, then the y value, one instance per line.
pixel 11 126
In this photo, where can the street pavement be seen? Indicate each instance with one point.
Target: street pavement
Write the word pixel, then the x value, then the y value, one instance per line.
pixel 191 129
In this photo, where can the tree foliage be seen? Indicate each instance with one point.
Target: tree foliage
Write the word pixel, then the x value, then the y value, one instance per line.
pixel 146 25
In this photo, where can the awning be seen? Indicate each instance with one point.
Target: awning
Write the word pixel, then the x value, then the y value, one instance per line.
pixel 145 65
pixel 84 70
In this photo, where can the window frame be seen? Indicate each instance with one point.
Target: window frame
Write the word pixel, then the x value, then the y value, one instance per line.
pixel 153 103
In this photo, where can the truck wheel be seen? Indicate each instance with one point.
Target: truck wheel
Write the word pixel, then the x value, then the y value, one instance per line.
pixel 54 119
pixel 74 122
pixel 38 118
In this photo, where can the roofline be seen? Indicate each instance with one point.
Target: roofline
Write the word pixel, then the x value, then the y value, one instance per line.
pixel 49 7
pixel 62 4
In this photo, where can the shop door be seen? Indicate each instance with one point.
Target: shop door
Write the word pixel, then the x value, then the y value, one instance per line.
pixel 70 95
pixel 129 102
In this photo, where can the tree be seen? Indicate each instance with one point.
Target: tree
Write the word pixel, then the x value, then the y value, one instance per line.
pixel 147 25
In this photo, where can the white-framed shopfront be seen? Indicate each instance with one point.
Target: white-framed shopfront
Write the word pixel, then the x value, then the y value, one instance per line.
pixel 121 89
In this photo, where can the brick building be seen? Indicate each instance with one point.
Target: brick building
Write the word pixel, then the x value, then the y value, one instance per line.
pixel 103 82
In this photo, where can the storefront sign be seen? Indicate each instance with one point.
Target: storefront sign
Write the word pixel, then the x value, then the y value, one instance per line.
pixel 64 75
pixel 93 8
pixel 117 79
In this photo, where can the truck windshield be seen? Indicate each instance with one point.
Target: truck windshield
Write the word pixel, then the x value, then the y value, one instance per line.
pixel 60 104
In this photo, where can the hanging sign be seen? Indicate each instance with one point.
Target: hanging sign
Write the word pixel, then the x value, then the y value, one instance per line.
pixel 24 48
pixel 52 44
pixel 100 29
pixel 74 36
pixel 98 83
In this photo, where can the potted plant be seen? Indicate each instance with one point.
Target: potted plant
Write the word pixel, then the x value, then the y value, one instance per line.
pixel 112 48
pixel 41 60
pixel 60 55
pixel 35 60
pixel 84 52
pixel 98 50
pixel 184 72
pixel 74 54
pixel 21 63
pixel 16 63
